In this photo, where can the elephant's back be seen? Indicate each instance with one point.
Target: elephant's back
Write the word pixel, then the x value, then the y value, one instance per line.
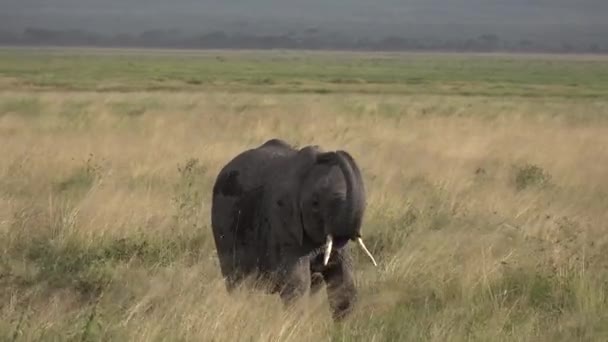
pixel 250 169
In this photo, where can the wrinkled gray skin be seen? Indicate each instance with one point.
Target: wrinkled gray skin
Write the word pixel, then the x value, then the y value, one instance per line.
pixel 273 207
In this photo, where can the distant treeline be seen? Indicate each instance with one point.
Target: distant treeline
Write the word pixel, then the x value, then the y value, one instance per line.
pixel 310 39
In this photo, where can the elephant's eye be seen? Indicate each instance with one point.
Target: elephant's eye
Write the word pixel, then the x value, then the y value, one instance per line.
pixel 315 201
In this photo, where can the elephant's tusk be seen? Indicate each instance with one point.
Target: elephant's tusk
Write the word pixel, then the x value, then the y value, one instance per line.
pixel 362 245
pixel 328 246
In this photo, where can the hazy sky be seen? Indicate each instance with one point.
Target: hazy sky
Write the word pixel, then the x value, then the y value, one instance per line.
pixel 584 19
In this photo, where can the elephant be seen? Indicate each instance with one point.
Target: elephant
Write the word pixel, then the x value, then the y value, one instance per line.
pixel 284 216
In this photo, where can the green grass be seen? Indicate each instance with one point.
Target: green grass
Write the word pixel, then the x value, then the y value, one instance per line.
pixel 306 72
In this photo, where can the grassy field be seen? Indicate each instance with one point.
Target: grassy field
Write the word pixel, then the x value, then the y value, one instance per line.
pixel 310 72
pixel 486 178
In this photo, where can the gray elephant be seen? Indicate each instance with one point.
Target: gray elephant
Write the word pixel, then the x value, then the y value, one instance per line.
pixel 283 216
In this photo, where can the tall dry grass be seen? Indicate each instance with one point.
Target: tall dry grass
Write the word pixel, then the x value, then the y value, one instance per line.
pixel 487 216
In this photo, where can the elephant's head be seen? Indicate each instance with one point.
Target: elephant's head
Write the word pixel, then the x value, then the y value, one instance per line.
pixel 331 200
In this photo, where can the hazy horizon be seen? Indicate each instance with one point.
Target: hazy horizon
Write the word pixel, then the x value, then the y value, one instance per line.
pixel 557 21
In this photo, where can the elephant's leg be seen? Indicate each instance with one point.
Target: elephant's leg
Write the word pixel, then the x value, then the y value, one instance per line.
pixel 296 281
pixel 235 269
pixel 341 290
pixel 232 258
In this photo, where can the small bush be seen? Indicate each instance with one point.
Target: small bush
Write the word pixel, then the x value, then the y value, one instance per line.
pixel 194 81
pixel 531 175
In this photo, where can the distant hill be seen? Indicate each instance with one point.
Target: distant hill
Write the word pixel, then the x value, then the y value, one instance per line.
pixel 557 24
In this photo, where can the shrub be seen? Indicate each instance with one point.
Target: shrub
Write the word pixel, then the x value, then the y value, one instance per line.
pixel 530 175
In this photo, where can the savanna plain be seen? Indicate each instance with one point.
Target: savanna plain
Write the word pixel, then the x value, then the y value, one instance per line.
pixel 486 178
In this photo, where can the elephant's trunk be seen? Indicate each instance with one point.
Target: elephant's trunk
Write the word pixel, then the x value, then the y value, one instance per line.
pixel 348 222
pixel 356 190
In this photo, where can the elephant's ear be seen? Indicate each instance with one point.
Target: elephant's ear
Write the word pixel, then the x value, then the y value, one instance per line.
pixel 287 221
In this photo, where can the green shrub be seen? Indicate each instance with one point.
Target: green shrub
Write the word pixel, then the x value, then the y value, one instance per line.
pixel 530 175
